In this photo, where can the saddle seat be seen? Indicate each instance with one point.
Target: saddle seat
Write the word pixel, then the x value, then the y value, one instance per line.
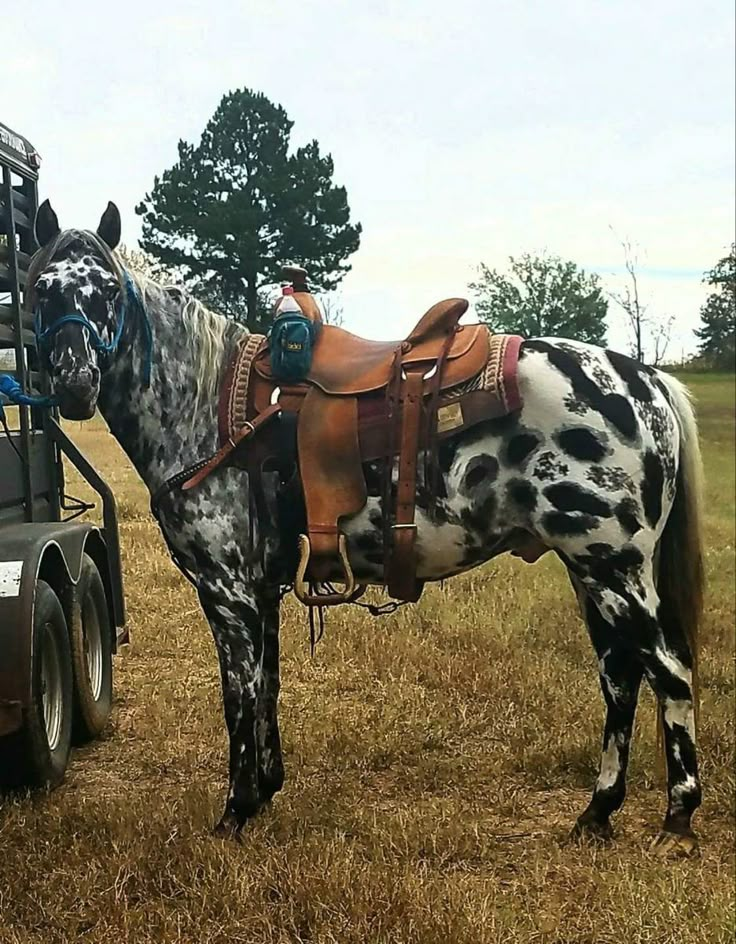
pixel 347 365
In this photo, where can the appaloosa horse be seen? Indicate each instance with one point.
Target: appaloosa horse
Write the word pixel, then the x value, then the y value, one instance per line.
pixel 601 465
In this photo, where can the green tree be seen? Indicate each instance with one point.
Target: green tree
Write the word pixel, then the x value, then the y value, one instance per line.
pixel 542 296
pixel 239 205
pixel 209 292
pixel 717 335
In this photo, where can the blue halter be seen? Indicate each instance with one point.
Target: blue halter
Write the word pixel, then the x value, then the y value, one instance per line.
pixel 10 387
pixel 131 298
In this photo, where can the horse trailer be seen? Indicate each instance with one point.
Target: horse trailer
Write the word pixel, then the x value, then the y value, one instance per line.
pixel 61 594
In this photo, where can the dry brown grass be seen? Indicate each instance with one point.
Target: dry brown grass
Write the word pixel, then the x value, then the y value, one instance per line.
pixel 435 760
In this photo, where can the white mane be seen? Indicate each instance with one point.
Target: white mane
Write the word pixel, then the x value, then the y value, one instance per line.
pixel 205 329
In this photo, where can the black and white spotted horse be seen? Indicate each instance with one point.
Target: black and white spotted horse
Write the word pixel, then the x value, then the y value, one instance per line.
pixel 600 465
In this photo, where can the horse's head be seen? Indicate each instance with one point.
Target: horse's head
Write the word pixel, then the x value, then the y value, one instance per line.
pixel 74 284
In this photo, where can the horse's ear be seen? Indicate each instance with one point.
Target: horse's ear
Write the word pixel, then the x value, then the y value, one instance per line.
pixel 109 228
pixel 46 225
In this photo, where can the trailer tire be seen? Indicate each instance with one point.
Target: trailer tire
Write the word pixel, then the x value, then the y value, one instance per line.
pixel 91 640
pixel 37 755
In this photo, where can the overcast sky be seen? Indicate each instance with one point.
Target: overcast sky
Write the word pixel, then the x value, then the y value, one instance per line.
pixel 463 130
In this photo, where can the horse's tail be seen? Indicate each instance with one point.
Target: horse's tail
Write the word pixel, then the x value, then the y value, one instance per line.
pixel 680 578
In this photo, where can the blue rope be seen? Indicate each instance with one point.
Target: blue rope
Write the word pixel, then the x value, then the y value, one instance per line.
pixel 10 387
pixel 14 392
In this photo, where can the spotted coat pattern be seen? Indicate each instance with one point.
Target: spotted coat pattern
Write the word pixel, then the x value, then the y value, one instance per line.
pixel 587 468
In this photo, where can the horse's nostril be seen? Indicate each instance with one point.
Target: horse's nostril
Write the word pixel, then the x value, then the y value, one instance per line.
pixel 83 377
pixel 80 382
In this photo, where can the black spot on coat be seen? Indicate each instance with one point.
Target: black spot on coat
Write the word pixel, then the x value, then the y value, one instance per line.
pixel 481 470
pixel 560 524
pixel 522 493
pixel 520 447
pixel 652 487
pixel 630 371
pixel 626 514
pixel 581 443
pixel 566 496
pixel 479 518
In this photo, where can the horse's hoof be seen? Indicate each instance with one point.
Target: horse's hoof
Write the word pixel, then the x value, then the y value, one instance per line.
pixel 591 831
pixel 676 845
pixel 228 828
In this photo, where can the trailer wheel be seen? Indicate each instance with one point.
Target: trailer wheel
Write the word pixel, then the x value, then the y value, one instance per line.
pixel 37 755
pixel 91 639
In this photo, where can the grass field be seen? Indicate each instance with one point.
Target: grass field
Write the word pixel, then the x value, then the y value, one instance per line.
pixel 436 760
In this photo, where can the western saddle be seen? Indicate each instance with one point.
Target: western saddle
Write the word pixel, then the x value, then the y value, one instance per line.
pixel 362 401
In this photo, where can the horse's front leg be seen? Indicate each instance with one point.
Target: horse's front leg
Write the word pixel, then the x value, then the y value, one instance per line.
pixel 237 624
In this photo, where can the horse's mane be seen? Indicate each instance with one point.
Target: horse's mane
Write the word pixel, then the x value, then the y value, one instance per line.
pixel 205 329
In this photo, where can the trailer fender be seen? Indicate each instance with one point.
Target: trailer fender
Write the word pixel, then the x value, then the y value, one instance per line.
pixel 49 550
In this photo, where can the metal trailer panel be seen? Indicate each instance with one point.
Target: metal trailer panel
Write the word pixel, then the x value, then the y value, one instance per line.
pixel 12 484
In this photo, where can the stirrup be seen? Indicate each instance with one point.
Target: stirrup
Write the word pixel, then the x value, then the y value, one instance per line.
pixel 351 591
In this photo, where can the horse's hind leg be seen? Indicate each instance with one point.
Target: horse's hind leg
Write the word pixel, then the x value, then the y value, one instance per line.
pixel 620 675
pixel 628 601
pixel 668 666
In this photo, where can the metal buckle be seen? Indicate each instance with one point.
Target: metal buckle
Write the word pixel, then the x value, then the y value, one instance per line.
pixel 275 394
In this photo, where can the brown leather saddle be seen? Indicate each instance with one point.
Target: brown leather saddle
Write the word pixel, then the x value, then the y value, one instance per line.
pixel 367 400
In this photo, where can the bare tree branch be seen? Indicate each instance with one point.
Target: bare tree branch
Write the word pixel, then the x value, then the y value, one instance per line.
pixel 662 337
pixel 650 333
pixel 331 310
pixel 630 300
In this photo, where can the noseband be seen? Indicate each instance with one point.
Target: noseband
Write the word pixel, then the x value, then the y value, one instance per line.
pixel 130 298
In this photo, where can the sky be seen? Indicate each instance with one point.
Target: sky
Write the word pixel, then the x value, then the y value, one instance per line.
pixel 464 131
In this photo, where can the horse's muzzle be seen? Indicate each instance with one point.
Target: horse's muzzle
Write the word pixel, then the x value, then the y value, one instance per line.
pixel 77 394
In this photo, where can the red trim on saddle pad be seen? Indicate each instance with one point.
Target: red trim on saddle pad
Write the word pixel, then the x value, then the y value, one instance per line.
pixel 509 385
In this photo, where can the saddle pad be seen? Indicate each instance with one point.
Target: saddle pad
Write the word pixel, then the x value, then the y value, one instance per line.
pixel 233 406
pixel 500 376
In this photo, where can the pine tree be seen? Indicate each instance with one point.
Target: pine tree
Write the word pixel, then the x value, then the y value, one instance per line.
pixel 718 333
pixel 239 205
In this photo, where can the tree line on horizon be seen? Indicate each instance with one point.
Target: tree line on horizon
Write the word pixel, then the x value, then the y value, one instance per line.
pixel 236 206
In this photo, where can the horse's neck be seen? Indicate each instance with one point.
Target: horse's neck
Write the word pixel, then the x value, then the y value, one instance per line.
pixel 164 426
